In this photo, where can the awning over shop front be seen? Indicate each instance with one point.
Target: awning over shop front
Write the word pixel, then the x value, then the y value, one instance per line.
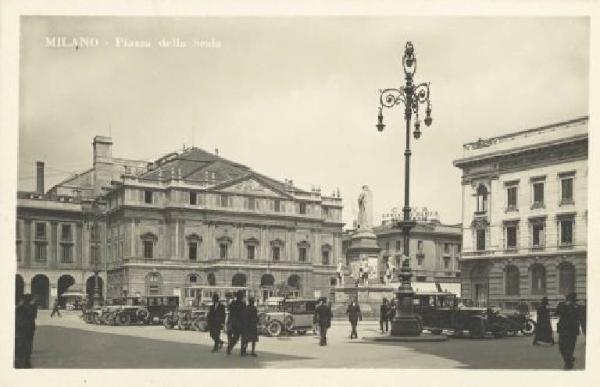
pixel 452 287
pixel 424 287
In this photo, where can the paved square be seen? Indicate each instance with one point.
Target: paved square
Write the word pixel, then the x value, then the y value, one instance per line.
pixel 68 342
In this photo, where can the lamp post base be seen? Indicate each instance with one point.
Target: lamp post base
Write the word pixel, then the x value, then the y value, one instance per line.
pixel 406 326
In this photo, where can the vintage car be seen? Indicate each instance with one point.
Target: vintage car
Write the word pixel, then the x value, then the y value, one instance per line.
pixel 187 318
pixel 159 306
pixel 440 311
pixel 286 315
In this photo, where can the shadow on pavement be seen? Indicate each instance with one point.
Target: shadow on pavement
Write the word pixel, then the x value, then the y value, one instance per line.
pixel 58 347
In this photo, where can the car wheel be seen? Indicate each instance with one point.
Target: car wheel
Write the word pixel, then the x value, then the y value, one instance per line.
pixel 274 328
pixel 123 319
pixel 168 323
pixel 529 327
pixel 302 333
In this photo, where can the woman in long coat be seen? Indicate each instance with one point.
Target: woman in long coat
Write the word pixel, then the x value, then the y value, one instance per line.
pixel 543 331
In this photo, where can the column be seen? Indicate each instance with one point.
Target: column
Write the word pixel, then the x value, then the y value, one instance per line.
pixel 52 251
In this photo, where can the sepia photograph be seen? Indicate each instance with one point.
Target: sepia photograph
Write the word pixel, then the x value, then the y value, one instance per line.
pixel 301 192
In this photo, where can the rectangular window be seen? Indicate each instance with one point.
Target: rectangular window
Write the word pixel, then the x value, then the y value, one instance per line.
pixel 537 237
pixel 302 208
pixel 250 250
pixel 148 197
pixel 458 248
pixel 566 186
pixel 480 240
pixel 66 234
pixel 193 198
pixel 538 193
pixel 302 254
pixel 511 197
pixel 94 255
pixel 18 230
pixel 325 212
pixel 325 257
pixel 251 203
pixel 277 206
pixel 446 263
pixel 148 249
pixel 40 231
pixel 223 250
pixel 275 251
pixel 446 248
pixel 420 259
pixel 66 253
pixel 398 245
pixel 193 251
pixel 420 245
pixel 224 201
pixel 566 232
pixel 40 252
pixel 387 245
pixel 511 237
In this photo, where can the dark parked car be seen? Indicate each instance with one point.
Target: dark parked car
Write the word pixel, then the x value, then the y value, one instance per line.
pixel 159 306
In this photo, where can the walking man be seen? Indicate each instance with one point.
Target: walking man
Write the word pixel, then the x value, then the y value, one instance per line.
pixel 354 315
pixel 384 311
pixel 570 319
pixel 323 317
pixel 235 324
pixel 55 308
pixel 250 333
pixel 215 320
pixel 543 331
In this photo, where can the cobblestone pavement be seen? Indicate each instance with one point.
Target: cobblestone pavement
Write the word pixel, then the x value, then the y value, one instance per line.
pixel 68 342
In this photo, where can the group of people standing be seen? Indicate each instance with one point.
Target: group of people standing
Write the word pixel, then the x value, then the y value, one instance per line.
pixel 571 321
pixel 25 315
pixel 242 323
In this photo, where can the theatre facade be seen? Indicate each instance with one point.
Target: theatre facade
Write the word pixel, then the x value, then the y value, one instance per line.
pixel 188 218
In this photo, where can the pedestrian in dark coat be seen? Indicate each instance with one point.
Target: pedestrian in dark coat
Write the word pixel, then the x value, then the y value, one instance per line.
pixel 55 308
pixel 215 320
pixel 354 315
pixel 543 330
pixel 384 311
pixel 235 324
pixel 568 329
pixel 25 315
pixel 250 332
pixel 323 317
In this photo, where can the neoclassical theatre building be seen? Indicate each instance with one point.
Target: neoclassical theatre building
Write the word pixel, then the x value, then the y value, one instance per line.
pixel 525 215
pixel 188 218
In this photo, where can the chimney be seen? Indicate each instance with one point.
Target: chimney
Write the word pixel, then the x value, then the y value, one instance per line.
pixel 40 177
pixel 102 147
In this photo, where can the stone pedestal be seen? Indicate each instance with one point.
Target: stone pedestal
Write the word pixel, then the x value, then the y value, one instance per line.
pixel 406 321
pixel 364 252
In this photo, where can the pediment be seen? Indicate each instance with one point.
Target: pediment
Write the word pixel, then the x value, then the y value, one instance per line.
pixel 251 186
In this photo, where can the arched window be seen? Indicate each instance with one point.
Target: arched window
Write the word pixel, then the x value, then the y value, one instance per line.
pixel 210 278
pixel 538 279
pixel 267 280
pixel 482 193
pixel 566 278
pixel 511 281
pixel 238 280
pixel 294 281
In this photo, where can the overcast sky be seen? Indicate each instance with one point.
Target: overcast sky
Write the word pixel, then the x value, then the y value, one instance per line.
pixel 297 97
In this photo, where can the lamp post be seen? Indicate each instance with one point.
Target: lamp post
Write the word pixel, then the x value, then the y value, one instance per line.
pixel 412 97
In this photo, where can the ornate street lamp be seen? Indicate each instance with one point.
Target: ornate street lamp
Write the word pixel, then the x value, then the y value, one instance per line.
pixel 412 98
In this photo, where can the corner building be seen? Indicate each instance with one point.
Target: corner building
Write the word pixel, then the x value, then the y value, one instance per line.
pixel 525 215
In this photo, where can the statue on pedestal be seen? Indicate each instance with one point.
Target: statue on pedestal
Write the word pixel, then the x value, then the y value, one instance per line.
pixel 365 208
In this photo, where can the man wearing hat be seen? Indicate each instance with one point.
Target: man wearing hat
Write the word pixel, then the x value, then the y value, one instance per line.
pixel 570 319
pixel 323 317
pixel 235 324
pixel 215 320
